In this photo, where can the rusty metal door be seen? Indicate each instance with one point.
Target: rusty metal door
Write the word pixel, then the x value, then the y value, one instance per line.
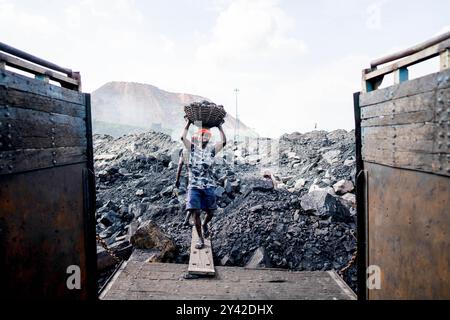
pixel 403 188
pixel 47 192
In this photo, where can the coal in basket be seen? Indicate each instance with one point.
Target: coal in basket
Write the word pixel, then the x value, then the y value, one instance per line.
pixel 205 114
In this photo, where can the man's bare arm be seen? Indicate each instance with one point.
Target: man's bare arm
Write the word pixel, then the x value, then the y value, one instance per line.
pixel 219 145
pixel 186 141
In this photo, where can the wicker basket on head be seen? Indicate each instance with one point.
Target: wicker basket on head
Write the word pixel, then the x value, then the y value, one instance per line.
pixel 205 114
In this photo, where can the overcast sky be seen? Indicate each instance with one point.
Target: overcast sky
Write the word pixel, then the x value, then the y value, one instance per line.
pixel 296 63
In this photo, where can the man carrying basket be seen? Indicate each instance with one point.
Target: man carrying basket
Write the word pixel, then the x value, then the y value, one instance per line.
pixel 201 187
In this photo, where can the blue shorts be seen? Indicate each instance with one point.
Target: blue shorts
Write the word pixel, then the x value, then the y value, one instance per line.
pixel 203 199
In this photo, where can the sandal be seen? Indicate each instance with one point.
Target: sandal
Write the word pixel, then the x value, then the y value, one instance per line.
pixel 199 244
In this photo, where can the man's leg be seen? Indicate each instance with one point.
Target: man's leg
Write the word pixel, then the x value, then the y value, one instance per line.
pixel 186 219
pixel 193 206
pixel 210 206
pixel 198 227
pixel 208 217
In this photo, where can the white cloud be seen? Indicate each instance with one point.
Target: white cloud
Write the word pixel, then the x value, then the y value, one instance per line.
pixel 249 29
pixel 323 96
pixel 214 5
pixel 14 22
pixel 73 17
pixel 168 46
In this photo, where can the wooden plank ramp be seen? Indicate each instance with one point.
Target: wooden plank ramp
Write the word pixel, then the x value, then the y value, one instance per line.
pixel 140 280
pixel 201 260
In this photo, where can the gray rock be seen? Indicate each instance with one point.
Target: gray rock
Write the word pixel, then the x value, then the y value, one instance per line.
pixel 164 159
pixel 140 192
pixel 111 205
pixel 103 175
pixel 321 232
pixel 291 155
pixel 264 184
pixel 219 191
pixel 349 161
pixel 331 156
pixel 167 191
pixel 108 232
pixel 299 183
pixel 296 215
pixel 123 209
pixel 155 197
pixel 226 260
pixel 141 183
pixel 150 236
pixel 259 259
pixel 109 218
pixel 131 229
pixel 286 179
pixel 230 172
pixel 350 198
pixel 235 186
pixel 113 170
pixel 315 187
pixel 343 186
pixel 257 208
pixel 321 203
pixel 227 186
pixel 136 209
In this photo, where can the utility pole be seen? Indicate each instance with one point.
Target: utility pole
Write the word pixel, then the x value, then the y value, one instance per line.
pixel 236 126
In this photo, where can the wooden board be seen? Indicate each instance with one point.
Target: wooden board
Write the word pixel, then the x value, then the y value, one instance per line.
pixel 434 81
pixel 425 107
pixel 64 80
pixel 30 100
pixel 411 130
pixel 139 279
pixel 12 80
pixel 41 125
pixel 425 54
pixel 201 260
pixel 31 129
pixel 14 161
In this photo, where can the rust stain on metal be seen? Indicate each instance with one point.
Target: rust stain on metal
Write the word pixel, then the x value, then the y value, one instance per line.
pixel 409 222
pixel 42 231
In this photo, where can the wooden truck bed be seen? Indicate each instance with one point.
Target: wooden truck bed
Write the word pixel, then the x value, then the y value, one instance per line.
pixel 138 279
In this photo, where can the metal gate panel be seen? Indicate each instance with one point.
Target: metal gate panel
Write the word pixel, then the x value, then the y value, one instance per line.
pixel 403 181
pixel 408 232
pixel 47 192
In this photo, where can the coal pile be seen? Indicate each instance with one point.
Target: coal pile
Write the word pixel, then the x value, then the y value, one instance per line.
pixel 286 203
